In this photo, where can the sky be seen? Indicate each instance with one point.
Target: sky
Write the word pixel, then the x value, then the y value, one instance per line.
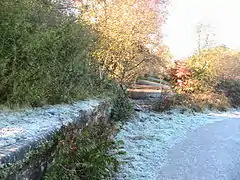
pixel 180 29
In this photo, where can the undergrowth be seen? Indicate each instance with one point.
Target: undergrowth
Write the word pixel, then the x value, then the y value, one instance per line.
pixel 90 154
pixel 203 100
pixel 191 92
pixel 231 89
pixel 198 101
pixel 122 107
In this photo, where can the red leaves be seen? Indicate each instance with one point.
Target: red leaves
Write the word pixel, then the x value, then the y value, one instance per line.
pixel 182 77
pixel 180 72
pixel 183 72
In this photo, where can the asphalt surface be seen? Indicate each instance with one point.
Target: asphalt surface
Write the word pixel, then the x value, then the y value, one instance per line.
pixel 211 152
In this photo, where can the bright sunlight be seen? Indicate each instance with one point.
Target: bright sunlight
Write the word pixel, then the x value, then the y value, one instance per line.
pixel 184 15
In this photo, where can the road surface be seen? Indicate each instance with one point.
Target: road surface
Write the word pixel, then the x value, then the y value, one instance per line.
pixel 211 152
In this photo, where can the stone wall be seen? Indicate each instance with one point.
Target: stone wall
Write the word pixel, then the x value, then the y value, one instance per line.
pixel 27 136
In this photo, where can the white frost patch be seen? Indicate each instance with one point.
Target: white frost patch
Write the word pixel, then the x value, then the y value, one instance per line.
pixel 19 128
pixel 149 136
pixel 5 132
pixel 227 114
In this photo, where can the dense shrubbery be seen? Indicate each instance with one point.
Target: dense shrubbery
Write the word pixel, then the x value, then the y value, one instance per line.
pixel 196 89
pixel 231 89
pixel 208 79
pixel 122 107
pixel 91 155
pixel 182 78
pixel 218 69
pixel 210 64
pixel 202 100
pixel 44 56
pixel 197 101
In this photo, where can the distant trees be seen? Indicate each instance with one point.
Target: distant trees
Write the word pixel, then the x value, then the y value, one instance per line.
pixel 210 62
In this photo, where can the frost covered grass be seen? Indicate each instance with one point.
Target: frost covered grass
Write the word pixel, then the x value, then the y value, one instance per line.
pixel 149 136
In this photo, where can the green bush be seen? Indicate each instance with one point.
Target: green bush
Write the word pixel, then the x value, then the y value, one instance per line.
pixel 122 107
pixel 90 155
pixel 44 56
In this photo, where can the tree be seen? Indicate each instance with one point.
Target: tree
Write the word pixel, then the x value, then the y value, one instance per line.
pixel 128 35
pixel 205 39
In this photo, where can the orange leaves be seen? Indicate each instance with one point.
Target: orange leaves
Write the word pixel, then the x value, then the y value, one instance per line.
pixel 180 72
pixel 183 72
pixel 182 78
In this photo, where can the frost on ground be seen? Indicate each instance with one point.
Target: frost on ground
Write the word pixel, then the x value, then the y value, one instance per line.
pixel 149 136
pixel 18 129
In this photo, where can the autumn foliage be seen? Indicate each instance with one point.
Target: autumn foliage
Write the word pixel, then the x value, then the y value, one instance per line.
pixel 182 78
pixel 128 35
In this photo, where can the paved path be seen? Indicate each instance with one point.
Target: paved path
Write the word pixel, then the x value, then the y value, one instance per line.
pixel 211 152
